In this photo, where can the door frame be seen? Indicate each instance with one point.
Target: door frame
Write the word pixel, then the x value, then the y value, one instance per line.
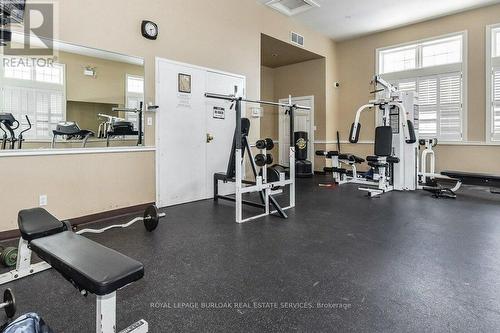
pixel 158 61
pixel 311 128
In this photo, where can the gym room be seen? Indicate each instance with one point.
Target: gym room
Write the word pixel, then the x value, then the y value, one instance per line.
pixel 249 166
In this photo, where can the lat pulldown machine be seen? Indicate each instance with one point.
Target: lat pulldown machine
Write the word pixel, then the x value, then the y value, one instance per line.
pixel 396 156
pixel 261 185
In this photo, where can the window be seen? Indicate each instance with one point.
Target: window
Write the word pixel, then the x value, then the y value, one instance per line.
pixel 134 96
pixel 36 92
pixel 493 83
pixel 434 70
pixel 440 102
pixel 399 59
pixel 437 52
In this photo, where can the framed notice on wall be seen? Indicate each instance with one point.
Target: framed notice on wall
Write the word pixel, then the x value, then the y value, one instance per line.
pixel 184 83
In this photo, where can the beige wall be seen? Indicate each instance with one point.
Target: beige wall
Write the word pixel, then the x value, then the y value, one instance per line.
pixel 269 122
pixel 107 87
pixel 220 34
pixel 76 185
pixel 356 61
pixel 303 79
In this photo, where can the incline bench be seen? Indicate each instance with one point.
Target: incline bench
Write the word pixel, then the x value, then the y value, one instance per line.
pixel 89 266
pixel 477 179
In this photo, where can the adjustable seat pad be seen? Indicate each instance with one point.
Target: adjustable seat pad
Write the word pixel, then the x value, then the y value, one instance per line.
pixel 37 222
pixel 352 158
pixel 88 265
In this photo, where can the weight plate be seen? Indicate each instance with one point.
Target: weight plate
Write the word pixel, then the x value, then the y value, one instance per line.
pixel 261 144
pixel 269 159
pixel 151 218
pixel 260 160
pixel 9 256
pixel 269 144
pixel 8 297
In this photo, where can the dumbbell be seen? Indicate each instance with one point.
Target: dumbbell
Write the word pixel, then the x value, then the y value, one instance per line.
pixel 261 159
pixel 267 144
pixel 9 303
pixel 8 256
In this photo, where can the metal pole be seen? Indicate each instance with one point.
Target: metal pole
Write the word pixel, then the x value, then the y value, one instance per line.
pixel 233 98
pixel 237 163
pixel 140 138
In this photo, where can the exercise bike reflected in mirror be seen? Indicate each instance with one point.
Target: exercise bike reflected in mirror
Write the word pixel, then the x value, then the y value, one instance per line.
pixel 9 124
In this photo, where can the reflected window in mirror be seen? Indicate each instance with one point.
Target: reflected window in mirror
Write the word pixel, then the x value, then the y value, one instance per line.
pixel 82 98
pixel 37 93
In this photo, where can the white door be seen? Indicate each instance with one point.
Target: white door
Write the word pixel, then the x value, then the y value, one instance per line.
pixel 186 162
pixel 304 122
pixel 221 122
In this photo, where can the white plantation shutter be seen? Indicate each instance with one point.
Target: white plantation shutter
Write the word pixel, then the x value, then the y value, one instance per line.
pixel 441 109
pixel 495 123
pixel 428 100
pixel 44 107
pixel 407 85
pixel 450 107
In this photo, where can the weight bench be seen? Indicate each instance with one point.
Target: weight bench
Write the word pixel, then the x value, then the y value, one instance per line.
pixel 341 175
pixel 475 179
pixel 89 266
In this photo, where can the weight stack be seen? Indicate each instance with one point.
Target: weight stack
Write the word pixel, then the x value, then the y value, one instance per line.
pixel 303 167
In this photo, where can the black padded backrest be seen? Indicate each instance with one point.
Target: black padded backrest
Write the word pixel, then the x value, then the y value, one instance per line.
pixel 245 129
pixel 358 130
pixel 413 135
pixel 37 223
pixel 383 141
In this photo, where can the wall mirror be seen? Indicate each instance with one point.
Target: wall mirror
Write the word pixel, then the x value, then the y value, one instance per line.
pixel 79 97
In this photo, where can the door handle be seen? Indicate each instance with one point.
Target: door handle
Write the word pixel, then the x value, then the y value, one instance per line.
pixel 210 137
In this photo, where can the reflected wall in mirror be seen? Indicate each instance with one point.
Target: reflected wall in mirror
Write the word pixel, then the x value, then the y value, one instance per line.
pixel 82 97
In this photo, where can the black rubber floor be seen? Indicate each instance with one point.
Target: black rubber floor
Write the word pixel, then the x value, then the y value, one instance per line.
pixel 405 262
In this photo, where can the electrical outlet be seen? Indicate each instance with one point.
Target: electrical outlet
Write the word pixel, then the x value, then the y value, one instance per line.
pixel 43 200
pixel 150 121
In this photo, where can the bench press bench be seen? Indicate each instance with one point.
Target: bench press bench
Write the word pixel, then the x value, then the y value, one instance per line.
pixel 89 266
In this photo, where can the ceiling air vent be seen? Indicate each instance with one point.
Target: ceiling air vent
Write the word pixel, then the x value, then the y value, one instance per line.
pixel 292 7
pixel 297 39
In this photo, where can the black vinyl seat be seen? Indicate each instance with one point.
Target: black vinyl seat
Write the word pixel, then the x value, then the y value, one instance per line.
pixel 37 222
pixel 90 266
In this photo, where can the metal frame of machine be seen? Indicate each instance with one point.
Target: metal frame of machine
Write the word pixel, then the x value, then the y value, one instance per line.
pixel 400 111
pixel 261 185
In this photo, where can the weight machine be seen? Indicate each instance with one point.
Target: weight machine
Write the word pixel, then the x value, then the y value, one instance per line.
pixel 266 189
pixel 395 163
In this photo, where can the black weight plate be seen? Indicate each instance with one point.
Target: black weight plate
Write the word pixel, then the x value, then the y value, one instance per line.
pixel 151 218
pixel 260 160
pixel 269 144
pixel 269 159
pixel 8 297
pixel 261 144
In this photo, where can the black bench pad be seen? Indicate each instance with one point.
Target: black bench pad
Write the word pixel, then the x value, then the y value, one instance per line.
pixel 469 178
pixel 89 265
pixel 37 222
pixel 352 158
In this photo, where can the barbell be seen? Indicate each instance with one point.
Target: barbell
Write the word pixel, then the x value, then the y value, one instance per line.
pixel 151 218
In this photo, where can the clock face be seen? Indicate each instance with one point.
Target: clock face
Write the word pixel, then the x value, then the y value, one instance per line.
pixel 151 29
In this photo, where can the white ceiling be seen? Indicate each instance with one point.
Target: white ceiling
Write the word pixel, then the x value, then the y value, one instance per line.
pixel 343 19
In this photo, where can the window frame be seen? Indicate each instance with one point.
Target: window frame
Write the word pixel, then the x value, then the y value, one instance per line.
pixel 35 85
pixel 491 62
pixel 420 72
pixel 129 94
